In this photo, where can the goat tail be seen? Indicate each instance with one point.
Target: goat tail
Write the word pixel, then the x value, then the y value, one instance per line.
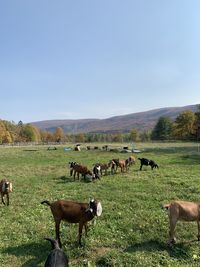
pixel 46 202
pixel 54 242
pixel 166 206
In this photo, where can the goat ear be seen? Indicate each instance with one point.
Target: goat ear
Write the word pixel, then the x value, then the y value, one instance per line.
pixel 99 209
pixel 11 187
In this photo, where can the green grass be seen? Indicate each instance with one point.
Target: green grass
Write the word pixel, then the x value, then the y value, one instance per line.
pixel 133 229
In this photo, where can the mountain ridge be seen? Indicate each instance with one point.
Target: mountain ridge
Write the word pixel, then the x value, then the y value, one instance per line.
pixel 144 120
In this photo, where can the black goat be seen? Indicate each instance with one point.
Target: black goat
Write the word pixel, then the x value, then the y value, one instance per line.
pixel 147 162
pixel 57 257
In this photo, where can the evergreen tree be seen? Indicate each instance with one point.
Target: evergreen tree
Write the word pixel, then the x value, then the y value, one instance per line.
pixel 162 129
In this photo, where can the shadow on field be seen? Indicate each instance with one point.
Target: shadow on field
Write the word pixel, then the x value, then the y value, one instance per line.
pixel 38 251
pixel 177 251
pixel 65 179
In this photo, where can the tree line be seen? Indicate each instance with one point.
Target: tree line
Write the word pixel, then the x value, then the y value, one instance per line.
pixel 185 127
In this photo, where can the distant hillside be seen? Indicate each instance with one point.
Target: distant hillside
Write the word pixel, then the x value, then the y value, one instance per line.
pixel 141 121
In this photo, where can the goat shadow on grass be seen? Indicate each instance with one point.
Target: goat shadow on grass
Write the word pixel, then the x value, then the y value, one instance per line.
pixel 38 251
pixel 178 251
pixel 65 179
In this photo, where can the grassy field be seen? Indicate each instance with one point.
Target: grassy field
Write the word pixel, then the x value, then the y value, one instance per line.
pixel 133 229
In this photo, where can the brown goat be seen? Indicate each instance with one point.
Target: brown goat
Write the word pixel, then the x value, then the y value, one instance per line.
pixel 80 169
pixel 131 160
pixel 183 211
pixel 73 212
pixel 120 163
pixel 104 167
pixel 5 189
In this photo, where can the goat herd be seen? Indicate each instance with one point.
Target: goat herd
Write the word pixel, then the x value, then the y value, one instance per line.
pixel 82 213
pixel 76 169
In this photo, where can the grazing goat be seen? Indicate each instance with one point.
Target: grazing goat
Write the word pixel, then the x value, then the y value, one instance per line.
pixel 97 171
pixel 113 166
pixel 147 162
pixel 104 167
pixel 77 148
pixel 183 211
pixel 80 169
pixel 131 160
pixel 105 147
pixel 57 257
pixel 119 163
pixel 5 189
pixel 73 212
pixel 71 165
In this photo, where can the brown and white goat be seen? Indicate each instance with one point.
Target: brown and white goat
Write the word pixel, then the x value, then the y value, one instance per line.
pixel 5 189
pixel 183 211
pixel 73 212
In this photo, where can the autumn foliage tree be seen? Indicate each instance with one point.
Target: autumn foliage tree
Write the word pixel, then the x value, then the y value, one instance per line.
pixel 184 125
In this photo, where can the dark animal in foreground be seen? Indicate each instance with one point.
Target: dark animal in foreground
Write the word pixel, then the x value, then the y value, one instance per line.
pixel 184 211
pixel 73 212
pixel 5 189
pixel 147 162
pixel 57 257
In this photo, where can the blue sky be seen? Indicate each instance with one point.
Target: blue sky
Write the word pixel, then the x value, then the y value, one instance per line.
pixel 97 58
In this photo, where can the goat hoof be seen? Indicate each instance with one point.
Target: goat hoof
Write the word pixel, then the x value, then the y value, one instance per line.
pixel 171 242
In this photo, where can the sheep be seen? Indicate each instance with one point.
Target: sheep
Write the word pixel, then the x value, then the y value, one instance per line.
pixel 5 189
pixel 56 257
pixel 77 168
pixel 73 212
pixel 183 211
pixel 147 162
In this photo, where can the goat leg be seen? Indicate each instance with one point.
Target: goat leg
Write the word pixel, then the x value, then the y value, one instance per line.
pixel 86 229
pixel 7 195
pixel 172 238
pixel 57 225
pixel 198 236
pixel 2 199
pixel 80 232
